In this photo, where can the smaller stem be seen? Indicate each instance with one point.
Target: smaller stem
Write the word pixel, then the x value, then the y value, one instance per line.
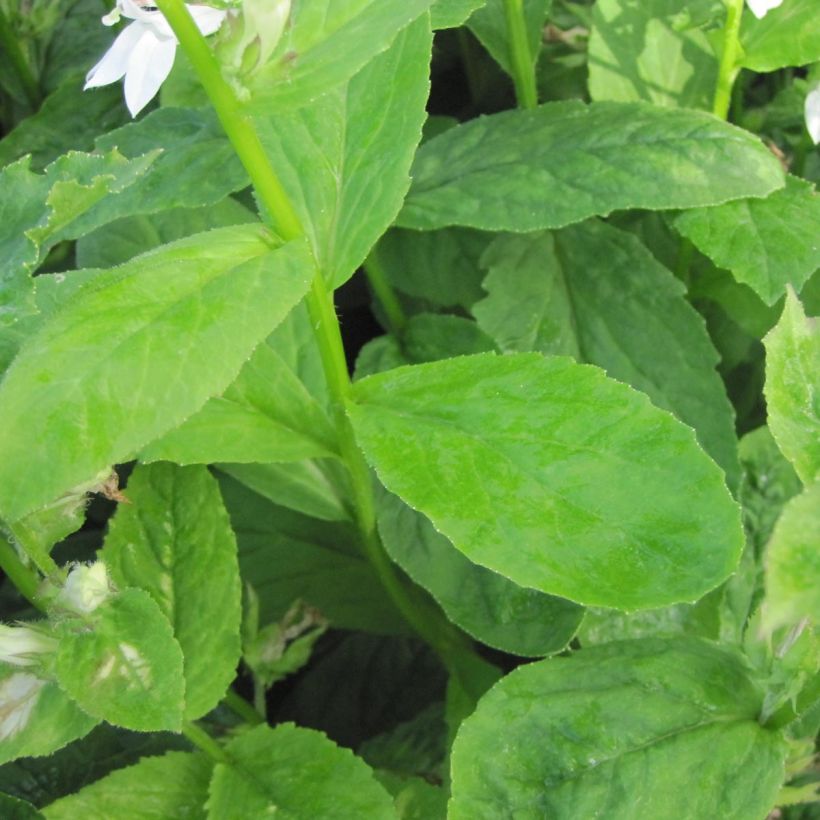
pixel 376 275
pixel 24 578
pixel 241 707
pixel 205 743
pixel 523 64
pixel 686 252
pixel 727 71
pixel 11 46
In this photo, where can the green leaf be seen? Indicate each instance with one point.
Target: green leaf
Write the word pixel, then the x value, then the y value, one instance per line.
pixel 452 13
pixel 266 415
pixel 298 773
pixel 793 562
pixel 563 162
pixel 793 388
pixel 344 159
pixel 632 724
pixel 122 664
pixel 597 294
pixel 638 50
pixel 14 809
pixel 766 243
pixel 325 44
pixel 174 541
pixel 288 556
pixel 489 24
pixel 156 788
pixel 786 36
pixel 134 353
pixel 36 716
pixel 488 606
pixel 507 455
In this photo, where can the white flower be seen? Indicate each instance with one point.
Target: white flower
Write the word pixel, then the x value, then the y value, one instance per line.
pixel 144 52
pixel 760 8
pixel 85 588
pixel 18 694
pixel 20 645
pixel 812 112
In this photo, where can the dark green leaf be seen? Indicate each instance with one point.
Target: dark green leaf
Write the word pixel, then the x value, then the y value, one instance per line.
pixel 786 36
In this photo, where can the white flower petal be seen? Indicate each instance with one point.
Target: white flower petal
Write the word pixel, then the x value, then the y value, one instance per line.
pixel 18 695
pixel 150 64
pixel 812 112
pixel 115 61
pixel 760 8
pixel 207 19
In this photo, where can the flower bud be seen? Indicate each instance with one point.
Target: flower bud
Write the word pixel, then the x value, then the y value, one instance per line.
pixel 85 588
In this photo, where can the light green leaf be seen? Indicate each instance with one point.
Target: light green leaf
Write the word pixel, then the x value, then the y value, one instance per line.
pixel 344 159
pixel 491 608
pixel 631 724
pixel 266 415
pixel 563 162
pixel 489 24
pixel 122 664
pixel 597 294
pixel 766 243
pixel 297 773
pixel 174 541
pixel 507 455
pixel 288 556
pixel 156 788
pixel 793 562
pixel 36 716
pixel 793 388
pixel 452 13
pixel 638 50
pixel 326 43
pixel 134 353
pixel 786 36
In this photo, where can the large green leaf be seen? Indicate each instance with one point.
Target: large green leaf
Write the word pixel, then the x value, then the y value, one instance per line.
pixel 596 293
pixel 563 162
pixel 266 415
pixel 655 728
pixel 344 159
pixel 452 13
pixel 122 664
pixel 786 36
pixel 766 243
pixel 297 773
pixel 793 562
pixel 287 556
pixel 793 388
pixel 134 353
pixel 174 541
pixel 156 788
pixel 36 716
pixel 487 605
pixel 489 24
pixel 554 476
pixel 643 50
pixel 326 43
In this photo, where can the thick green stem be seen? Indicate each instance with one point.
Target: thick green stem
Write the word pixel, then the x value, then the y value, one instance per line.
pixel 376 275
pixel 11 46
pixel 727 72
pixel 431 625
pixel 205 743
pixel 24 578
pixel 523 64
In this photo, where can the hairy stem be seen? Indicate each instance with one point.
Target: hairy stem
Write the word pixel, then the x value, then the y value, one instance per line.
pixel 727 72
pixel 521 58
pixel 23 577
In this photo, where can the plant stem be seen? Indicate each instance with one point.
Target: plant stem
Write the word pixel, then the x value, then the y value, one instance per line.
pixel 374 270
pixel 24 578
pixel 523 65
pixel 205 743
pixel 241 707
pixel 727 72
pixel 424 617
pixel 18 60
